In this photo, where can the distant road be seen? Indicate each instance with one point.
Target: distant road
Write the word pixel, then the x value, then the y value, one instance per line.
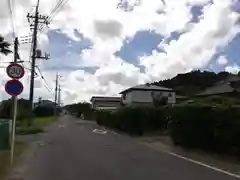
pixel 75 152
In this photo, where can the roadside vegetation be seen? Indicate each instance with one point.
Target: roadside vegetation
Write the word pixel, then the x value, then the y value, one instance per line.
pixel 39 123
pixel 213 129
pixel 42 116
pixel 81 109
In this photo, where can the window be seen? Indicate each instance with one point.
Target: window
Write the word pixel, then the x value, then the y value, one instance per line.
pixel 124 96
pixel 152 94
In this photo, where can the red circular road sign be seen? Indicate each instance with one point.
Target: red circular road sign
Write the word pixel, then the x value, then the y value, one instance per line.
pixel 15 71
pixel 14 87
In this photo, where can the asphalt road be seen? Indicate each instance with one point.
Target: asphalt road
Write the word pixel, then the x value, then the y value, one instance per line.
pixel 74 152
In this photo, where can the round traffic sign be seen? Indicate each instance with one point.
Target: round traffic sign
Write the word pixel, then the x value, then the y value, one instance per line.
pixel 15 71
pixel 14 87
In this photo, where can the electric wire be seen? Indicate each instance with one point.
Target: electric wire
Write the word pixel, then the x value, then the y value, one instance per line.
pixel 44 80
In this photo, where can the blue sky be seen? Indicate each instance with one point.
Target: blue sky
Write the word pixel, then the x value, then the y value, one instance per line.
pixel 142 43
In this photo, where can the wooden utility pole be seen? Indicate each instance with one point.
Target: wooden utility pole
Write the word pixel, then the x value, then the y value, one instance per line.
pixel 59 94
pixel 59 98
pixel 37 19
pixel 56 94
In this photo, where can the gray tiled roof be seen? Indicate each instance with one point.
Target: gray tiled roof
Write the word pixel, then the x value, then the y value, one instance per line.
pixel 218 89
pixel 147 87
pixel 231 78
pixel 105 98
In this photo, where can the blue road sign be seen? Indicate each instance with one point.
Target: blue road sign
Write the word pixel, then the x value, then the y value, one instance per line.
pixel 14 87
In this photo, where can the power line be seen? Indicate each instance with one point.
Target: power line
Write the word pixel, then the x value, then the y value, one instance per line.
pixel 58 9
pixel 54 12
pixel 45 81
pixel 51 13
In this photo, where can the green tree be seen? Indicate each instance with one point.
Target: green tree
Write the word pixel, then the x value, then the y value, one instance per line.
pixel 4 46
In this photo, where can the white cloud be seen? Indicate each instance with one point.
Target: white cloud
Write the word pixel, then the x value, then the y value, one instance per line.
pixel 195 48
pixel 107 26
pixel 233 69
pixel 222 60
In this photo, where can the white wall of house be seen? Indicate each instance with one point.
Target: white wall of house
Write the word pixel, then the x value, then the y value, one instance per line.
pixel 127 98
pixel 146 96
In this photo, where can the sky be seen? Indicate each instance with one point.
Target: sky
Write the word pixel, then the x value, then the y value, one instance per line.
pixel 103 47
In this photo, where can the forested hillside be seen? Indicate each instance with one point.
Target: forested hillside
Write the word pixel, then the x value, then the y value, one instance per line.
pixel 193 82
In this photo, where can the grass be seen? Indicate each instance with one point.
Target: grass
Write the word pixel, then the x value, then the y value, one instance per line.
pixel 5 158
pixel 38 125
pixel 43 122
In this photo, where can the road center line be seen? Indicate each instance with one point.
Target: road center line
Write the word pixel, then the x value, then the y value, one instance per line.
pixel 202 164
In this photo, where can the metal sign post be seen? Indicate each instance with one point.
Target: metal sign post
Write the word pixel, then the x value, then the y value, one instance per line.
pixel 14 87
pixel 13 128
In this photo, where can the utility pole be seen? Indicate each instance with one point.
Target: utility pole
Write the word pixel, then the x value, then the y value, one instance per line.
pixel 59 94
pixel 56 94
pixel 59 98
pixel 16 57
pixel 37 19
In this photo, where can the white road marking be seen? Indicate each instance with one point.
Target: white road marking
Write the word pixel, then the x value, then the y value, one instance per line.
pixel 99 131
pixel 111 132
pixel 204 165
pixel 114 133
pixel 61 126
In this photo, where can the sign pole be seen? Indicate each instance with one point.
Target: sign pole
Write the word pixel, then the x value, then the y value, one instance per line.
pixel 13 127
pixel 16 43
pixel 14 87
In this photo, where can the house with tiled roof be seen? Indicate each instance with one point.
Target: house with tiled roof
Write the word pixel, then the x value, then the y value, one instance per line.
pixel 228 87
pixel 145 94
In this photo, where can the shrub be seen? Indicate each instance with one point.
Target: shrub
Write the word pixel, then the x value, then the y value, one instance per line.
pixel 6 109
pixel 130 120
pixel 103 118
pixel 194 126
pixel 207 128
pixel 133 120
pixel 43 111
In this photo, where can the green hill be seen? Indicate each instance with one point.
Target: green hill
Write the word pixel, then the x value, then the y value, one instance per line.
pixel 193 82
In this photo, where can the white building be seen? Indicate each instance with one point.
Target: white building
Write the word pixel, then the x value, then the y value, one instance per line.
pixel 105 103
pixel 144 95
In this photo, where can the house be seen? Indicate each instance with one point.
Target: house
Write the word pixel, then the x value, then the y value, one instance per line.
pixel 145 94
pixel 229 87
pixel 105 103
pixel 45 103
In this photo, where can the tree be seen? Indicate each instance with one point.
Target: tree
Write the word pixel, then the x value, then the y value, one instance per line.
pixel 4 46
pixel 6 109
pixel 80 109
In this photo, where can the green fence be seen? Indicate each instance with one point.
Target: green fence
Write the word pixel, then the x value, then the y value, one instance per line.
pixel 5 130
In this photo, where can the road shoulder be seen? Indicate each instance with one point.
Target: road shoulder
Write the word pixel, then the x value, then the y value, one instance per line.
pixel 164 144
